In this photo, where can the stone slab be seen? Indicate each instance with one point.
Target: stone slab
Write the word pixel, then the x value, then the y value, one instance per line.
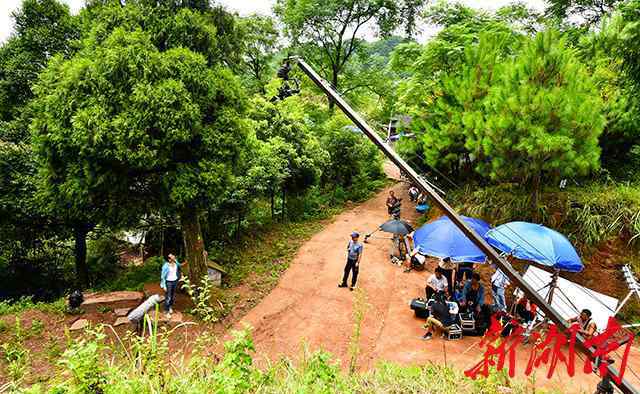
pixel 113 297
pixel 122 311
pixel 120 321
pixel 79 324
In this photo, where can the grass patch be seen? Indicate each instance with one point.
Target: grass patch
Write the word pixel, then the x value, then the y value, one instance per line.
pixel 134 278
pixel 588 215
pixel 139 365
pixel 26 303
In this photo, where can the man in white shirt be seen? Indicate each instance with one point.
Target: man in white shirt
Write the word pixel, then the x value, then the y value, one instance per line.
pixel 499 282
pixel 436 283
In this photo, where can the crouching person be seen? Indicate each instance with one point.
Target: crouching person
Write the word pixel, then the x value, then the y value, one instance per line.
pixel 439 318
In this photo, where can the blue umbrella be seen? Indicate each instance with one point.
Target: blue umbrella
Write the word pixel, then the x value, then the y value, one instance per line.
pixel 537 243
pixel 442 238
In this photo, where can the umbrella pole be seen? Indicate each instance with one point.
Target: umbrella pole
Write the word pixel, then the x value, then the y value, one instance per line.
pixel 552 285
pixel 366 237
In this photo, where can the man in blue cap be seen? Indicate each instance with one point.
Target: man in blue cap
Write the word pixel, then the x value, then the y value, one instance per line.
pixel 354 254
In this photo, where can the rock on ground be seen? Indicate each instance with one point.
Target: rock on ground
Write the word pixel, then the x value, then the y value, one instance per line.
pixel 79 324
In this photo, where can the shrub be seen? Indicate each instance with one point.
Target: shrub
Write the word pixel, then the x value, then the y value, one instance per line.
pixel 26 303
pixel 202 297
pixel 134 278
pixel 588 215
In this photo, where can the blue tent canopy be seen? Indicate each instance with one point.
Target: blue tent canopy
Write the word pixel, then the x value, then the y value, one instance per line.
pixel 442 238
pixel 535 242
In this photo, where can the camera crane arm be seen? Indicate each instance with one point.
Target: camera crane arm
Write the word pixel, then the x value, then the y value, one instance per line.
pixel 425 187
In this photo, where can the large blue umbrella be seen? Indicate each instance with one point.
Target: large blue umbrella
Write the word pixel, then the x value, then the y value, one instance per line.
pixel 537 243
pixel 442 238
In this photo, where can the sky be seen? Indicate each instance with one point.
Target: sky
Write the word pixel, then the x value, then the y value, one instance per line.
pixel 243 7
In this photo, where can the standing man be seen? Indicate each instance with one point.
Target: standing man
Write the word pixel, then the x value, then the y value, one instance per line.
pixel 169 277
pixel 392 201
pixel 354 255
pixel 499 282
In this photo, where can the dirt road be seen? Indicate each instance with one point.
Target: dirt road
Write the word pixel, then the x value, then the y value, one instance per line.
pixel 308 308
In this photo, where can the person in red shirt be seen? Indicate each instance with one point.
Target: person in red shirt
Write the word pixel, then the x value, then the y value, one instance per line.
pixel 525 309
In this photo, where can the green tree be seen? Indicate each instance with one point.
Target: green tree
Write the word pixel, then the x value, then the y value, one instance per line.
pixel 448 109
pixel 445 82
pixel 608 52
pixel 42 28
pixel 543 118
pixel 329 33
pixel 32 238
pixel 354 159
pixel 125 121
pixel 585 13
pixel 286 129
pixel 261 45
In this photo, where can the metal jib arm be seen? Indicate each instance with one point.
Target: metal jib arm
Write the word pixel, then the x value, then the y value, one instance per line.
pixel 513 275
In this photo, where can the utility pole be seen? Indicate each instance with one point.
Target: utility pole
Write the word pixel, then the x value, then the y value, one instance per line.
pixel 424 186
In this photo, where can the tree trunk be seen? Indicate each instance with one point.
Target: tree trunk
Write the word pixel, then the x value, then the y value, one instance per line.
pixel 161 237
pixel 535 200
pixel 334 83
pixel 239 224
pixel 284 205
pixel 80 232
pixel 193 245
pixel 273 204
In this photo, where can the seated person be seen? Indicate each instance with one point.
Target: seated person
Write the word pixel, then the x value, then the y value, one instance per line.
pixel 439 318
pixel 422 199
pixel 587 326
pixel 473 295
pixel 525 309
pixel 413 193
pixel 436 283
pixel 457 293
pixel 416 260
pixel 464 271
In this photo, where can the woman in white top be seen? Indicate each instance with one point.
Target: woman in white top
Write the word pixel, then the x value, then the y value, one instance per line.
pixel 169 278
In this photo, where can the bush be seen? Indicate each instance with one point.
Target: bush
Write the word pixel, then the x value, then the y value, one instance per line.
pixel 27 303
pixel 140 367
pixel 588 215
pixel 134 278
pixel 102 257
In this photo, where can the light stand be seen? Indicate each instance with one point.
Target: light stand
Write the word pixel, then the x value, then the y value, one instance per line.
pixel 634 288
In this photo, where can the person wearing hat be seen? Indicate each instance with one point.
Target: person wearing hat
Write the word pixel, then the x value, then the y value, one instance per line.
pixel 354 254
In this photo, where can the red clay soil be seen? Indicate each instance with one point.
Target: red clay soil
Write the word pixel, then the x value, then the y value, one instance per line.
pixel 307 307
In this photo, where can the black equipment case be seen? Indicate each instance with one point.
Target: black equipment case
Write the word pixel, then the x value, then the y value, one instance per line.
pixel 419 307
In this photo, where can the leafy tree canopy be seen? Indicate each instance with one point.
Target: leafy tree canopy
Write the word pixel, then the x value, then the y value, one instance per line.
pixel 328 33
pixel 125 120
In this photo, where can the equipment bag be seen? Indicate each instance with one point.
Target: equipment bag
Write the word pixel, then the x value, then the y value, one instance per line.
pixel 419 307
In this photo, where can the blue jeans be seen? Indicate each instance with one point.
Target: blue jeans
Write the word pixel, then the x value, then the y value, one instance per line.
pixel 498 297
pixel 170 295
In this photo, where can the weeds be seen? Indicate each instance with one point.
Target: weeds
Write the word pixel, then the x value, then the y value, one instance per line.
pixel 589 215
pixel 37 327
pixel 144 364
pixel 359 309
pixel 15 354
pixel 27 303
pixel 202 297
pixel 104 309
